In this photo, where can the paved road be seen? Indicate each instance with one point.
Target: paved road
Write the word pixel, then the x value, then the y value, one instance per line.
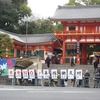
pixel 48 93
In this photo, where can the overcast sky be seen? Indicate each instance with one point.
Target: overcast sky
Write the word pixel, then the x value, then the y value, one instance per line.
pixel 45 8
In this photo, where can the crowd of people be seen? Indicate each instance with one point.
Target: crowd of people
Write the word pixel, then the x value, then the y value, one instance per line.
pixel 84 82
pixel 54 59
pixel 86 77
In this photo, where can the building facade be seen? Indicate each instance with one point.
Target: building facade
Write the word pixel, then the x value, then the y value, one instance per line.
pixel 81 31
pixel 41 44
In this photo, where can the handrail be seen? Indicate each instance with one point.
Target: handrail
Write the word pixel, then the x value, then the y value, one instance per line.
pixel 75 32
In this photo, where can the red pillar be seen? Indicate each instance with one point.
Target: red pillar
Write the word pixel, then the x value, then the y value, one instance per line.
pixel 84 54
pixel 63 55
pixel 78 59
pixel 15 52
pixel 46 50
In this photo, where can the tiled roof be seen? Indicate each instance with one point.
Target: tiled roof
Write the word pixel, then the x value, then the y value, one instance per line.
pixel 39 38
pixel 77 13
pixel 35 38
pixel 12 35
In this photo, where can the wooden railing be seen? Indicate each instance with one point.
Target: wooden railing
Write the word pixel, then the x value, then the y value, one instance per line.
pixel 75 32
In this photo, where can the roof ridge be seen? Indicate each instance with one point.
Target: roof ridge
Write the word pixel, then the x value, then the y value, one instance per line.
pixel 8 32
pixel 35 35
pixel 78 6
pixel 21 35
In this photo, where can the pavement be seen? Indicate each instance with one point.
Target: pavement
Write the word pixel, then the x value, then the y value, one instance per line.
pixel 8 92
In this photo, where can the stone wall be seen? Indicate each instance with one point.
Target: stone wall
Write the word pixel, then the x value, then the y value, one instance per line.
pixel 4 80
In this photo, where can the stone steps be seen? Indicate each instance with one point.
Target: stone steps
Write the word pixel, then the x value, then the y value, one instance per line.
pixel 67 66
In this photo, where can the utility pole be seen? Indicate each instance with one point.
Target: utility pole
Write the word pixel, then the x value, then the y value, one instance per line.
pixel 26 36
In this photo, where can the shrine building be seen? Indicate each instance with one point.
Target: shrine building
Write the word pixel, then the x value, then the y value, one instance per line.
pixel 43 44
pixel 79 39
pixel 81 31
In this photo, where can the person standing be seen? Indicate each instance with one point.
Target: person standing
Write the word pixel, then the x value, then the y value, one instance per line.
pixel 72 61
pixel 48 61
pixel 95 66
pixel 97 80
pixel 86 78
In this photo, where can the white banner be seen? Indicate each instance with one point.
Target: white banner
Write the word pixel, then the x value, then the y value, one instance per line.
pixel 70 73
pixel 25 73
pixel 46 74
pixel 79 74
pixel 31 74
pixel 39 74
pixel 63 74
pixel 10 73
pixel 18 73
pixel 54 73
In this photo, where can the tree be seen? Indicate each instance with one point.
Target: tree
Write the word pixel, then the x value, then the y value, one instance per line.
pixel 5 45
pixel 45 26
pixel 32 27
pixel 83 2
pixel 11 12
pixel 73 2
pixel 90 2
pixel 58 27
pixel 39 26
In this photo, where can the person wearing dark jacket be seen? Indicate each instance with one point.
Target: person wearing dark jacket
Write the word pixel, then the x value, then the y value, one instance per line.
pixel 97 80
pixel 95 66
pixel 86 78
pixel 72 61
pixel 48 61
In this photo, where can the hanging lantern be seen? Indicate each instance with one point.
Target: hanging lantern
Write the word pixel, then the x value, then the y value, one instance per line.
pixel 91 46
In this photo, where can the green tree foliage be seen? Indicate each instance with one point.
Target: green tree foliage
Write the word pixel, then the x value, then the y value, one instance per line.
pixel 45 26
pixel 22 9
pixel 73 2
pixel 58 27
pixel 11 12
pixel 83 2
pixel 5 44
pixel 91 2
pixel 39 26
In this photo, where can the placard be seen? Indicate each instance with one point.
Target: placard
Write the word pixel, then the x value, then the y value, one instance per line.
pixel 10 73
pixel 39 74
pixel 79 74
pixel 25 73
pixel 63 74
pixel 31 74
pixel 18 73
pixel 70 73
pixel 54 73
pixel 46 74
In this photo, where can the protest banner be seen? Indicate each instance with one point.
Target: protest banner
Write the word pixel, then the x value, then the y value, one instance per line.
pixel 25 73
pixel 71 74
pixel 18 73
pixel 54 73
pixel 31 74
pixel 78 74
pixel 10 73
pixel 46 74
pixel 39 73
pixel 63 74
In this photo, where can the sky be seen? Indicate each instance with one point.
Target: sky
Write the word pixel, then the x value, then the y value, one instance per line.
pixel 45 8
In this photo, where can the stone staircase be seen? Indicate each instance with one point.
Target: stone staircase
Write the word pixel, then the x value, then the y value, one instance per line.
pixel 68 66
